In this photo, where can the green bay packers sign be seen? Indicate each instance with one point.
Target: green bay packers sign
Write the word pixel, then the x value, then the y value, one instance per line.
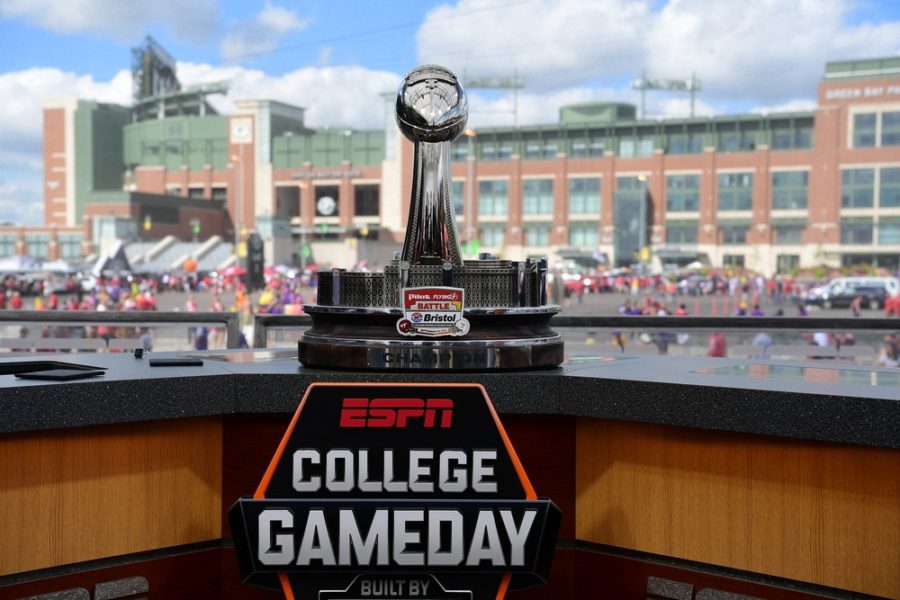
pixel 395 492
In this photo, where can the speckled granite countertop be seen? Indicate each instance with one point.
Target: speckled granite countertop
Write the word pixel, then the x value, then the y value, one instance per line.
pixel 813 400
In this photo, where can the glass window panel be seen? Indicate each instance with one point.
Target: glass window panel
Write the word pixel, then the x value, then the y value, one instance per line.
pixel 537 196
pixel 863 130
pixel 889 230
pixel 493 197
pixel 682 193
pixel 786 235
pixel 734 234
pixel 584 196
pixel 537 235
pixel 681 232
pixel 736 191
pixel 857 230
pixel 890 128
pixel 584 234
pixel 492 235
pixel 457 190
pixel 889 190
pixel 789 190
pixel 857 188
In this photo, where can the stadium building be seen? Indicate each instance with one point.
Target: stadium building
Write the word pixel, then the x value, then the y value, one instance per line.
pixel 767 192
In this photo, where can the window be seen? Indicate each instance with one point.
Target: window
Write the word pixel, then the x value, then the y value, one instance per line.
pixel 736 191
pixel 856 230
pixel 220 193
pixel 537 197
pixel 803 137
pixel 857 188
pixel 195 192
pixel 365 200
pixel 789 190
pixel 733 260
pixel 734 234
pixel 682 193
pixel 459 151
pixel 7 245
pixel 493 197
pixel 889 231
pixel 287 201
pixel 582 149
pixel 683 143
pixel 584 196
pixel 458 192
pixel 173 191
pixel 890 128
pixel 889 190
pixel 864 130
pixel 786 263
pixel 69 246
pixel 584 235
pixel 788 234
pixel 37 245
pixel 492 235
pixel 681 232
pixel 728 141
pixel 537 151
pixel 635 147
pixel 537 235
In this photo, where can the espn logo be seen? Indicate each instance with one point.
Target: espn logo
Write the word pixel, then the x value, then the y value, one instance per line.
pixel 396 412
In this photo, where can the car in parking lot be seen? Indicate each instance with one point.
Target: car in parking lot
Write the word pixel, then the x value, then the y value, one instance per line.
pixel 841 292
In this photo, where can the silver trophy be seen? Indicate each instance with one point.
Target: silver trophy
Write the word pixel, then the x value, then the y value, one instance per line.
pixel 430 309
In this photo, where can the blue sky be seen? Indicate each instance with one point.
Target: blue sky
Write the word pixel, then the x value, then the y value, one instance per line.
pixel 751 55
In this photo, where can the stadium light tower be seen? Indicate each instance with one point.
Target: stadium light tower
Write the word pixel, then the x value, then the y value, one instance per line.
pixel 514 83
pixel 643 84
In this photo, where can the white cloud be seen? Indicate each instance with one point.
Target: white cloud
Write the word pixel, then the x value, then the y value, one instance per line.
pixel 332 96
pixel 795 105
pixel 21 201
pixel 261 33
pixel 22 95
pixel 125 20
pixel 766 51
pixel 550 43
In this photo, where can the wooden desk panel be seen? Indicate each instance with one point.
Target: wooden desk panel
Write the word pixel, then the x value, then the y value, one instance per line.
pixel 822 513
pixel 80 494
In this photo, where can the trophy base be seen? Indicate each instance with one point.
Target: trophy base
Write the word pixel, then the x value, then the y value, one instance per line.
pixel 367 338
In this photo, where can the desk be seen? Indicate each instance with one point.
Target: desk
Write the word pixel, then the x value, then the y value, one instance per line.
pixel 775 481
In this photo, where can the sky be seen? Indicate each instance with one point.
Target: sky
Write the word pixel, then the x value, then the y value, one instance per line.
pixel 337 57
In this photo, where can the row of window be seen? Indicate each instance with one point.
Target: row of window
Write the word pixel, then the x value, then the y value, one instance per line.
pixel 874 129
pixel 866 188
pixel 861 188
pixel 727 141
pixel 854 231
pixel 38 244
pixel 217 193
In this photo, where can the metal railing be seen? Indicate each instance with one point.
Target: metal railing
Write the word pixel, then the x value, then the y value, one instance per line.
pixel 789 337
pixel 27 319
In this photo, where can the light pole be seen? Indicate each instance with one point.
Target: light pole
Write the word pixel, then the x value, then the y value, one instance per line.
pixel 468 211
pixel 238 195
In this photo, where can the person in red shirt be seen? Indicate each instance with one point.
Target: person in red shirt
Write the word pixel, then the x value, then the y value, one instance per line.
pixel 717 345
pixel 16 301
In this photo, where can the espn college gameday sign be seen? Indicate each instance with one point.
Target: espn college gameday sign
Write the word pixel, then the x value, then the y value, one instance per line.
pixel 395 492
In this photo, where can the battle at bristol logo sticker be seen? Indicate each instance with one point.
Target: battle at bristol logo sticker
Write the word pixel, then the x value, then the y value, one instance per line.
pixel 433 312
pixel 395 492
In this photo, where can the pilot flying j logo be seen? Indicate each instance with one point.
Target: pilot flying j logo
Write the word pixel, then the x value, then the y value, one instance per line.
pixel 396 492
pixel 433 312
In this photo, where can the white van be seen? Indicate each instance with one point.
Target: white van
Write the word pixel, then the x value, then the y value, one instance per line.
pixel 891 285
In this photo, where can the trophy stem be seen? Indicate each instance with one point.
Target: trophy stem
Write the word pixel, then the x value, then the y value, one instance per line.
pixel 431 227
